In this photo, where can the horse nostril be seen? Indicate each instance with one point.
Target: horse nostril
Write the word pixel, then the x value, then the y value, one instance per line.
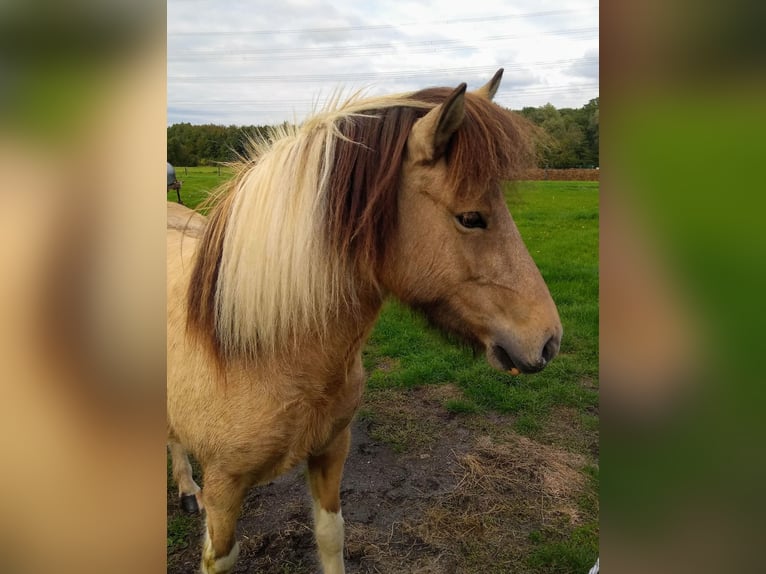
pixel 550 349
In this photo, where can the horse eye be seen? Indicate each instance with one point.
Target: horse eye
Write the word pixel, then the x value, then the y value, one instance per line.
pixel 471 219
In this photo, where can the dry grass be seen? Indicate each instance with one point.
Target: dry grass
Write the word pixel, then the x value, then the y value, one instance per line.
pixel 505 491
pixel 507 486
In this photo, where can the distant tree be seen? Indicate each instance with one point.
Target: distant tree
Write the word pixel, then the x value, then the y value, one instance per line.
pixel 192 145
pixel 570 137
pixel 591 130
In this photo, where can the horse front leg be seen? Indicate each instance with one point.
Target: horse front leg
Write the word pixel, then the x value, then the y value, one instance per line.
pixel 325 471
pixel 222 496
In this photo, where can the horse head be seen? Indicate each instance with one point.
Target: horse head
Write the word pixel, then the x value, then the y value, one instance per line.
pixel 456 253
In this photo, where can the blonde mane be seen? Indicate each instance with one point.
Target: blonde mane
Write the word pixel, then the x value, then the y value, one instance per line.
pixel 305 219
pixel 276 274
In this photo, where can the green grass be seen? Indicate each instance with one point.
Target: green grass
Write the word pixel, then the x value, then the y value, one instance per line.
pixel 198 182
pixel 460 406
pixel 181 528
pixel 556 555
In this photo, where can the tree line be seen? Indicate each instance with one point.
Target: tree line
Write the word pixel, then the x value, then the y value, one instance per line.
pixel 194 145
pixel 570 138
pixel 570 135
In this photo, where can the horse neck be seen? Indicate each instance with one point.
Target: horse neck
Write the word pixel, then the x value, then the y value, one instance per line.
pixel 328 356
pixel 351 327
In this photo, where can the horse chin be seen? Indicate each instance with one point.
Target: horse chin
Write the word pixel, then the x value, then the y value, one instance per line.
pixel 499 358
pixel 441 315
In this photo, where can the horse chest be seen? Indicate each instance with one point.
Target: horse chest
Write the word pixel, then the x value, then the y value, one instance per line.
pixel 332 416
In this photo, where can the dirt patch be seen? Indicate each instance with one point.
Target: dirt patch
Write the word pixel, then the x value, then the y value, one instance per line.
pixel 442 497
pixel 412 420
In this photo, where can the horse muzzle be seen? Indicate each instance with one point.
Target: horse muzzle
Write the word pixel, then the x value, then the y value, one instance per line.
pixel 507 354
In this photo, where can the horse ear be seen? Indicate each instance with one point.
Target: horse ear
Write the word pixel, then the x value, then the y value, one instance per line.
pixel 489 89
pixel 430 135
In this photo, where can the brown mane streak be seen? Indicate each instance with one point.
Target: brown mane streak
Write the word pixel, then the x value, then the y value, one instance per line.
pixel 363 188
pixel 201 300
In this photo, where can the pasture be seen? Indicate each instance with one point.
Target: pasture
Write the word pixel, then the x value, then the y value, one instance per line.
pixel 454 467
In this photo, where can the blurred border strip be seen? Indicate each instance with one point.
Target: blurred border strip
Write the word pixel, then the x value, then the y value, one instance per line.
pixel 82 153
pixel 683 278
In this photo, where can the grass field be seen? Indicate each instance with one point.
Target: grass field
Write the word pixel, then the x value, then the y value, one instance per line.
pixel 198 182
pixel 552 411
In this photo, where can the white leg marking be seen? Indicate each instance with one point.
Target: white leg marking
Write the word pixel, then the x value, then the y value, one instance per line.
pixel 328 529
pixel 213 565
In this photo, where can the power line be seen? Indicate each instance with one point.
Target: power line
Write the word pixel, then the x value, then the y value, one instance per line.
pixel 540 14
pixel 339 78
pixel 372 76
pixel 359 50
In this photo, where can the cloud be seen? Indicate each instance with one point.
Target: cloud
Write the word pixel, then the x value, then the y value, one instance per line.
pixel 252 63
pixel 587 67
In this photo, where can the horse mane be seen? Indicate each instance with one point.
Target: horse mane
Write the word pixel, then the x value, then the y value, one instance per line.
pixel 307 215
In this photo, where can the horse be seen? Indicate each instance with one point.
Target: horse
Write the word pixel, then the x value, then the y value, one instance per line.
pixel 184 219
pixel 270 307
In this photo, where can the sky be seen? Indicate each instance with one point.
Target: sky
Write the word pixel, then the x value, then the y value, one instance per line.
pixel 256 62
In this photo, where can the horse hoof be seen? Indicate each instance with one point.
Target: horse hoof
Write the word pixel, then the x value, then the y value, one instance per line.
pixel 189 503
